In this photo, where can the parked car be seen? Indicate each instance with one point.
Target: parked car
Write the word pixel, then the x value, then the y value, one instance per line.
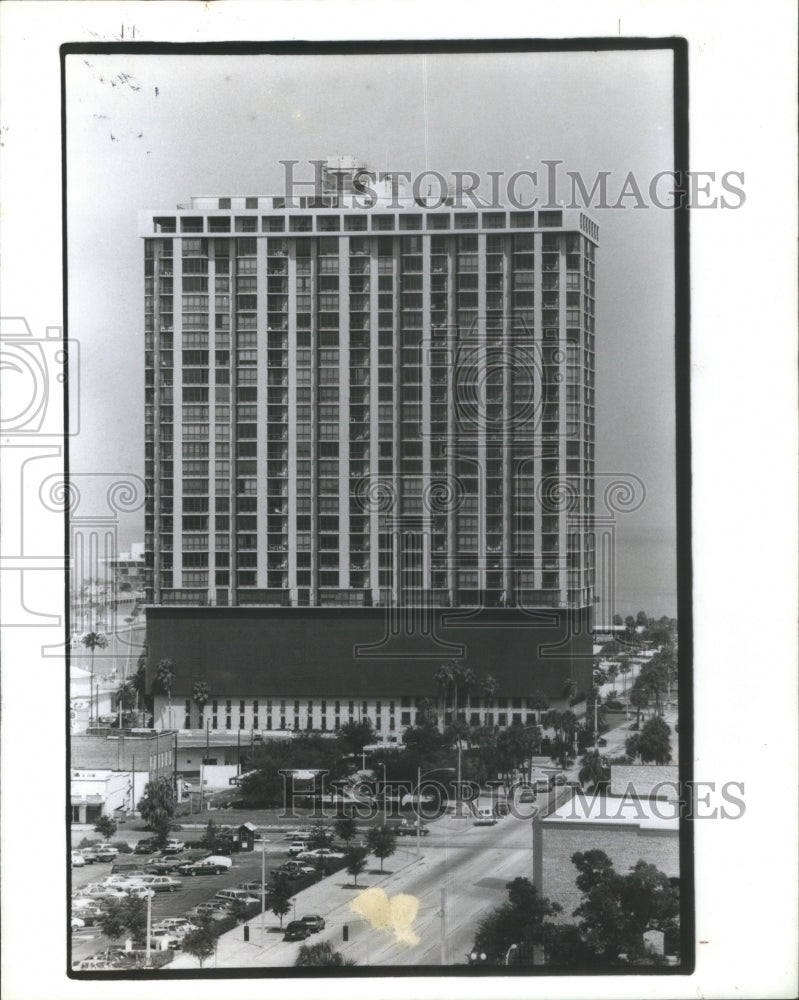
pixel 173 846
pixel 294 868
pixel 252 887
pixel 237 895
pixel 303 833
pixel 319 853
pixel 296 930
pixel 88 855
pixel 159 883
pixel 87 910
pixel 163 866
pixel 485 817
pixel 214 909
pixel 97 891
pixel 314 922
pixel 75 923
pixel 145 846
pixel 78 860
pixel 559 778
pixel 121 881
pixel 164 939
pixel 140 892
pixel 175 925
pixel 407 828
pixel 105 853
pixel 298 847
pixel 208 866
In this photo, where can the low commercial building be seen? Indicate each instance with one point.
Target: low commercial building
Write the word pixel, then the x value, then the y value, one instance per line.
pixel 271 669
pixel 122 762
pixel 638 823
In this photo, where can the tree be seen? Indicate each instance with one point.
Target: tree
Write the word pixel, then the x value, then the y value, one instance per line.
pixel 346 829
pixel 93 641
pixel 445 682
pixel 322 953
pixel 382 842
pixel 594 770
pixel 157 807
pixel 356 862
pixel 210 836
pixel 652 744
pixel 617 910
pixel 618 620
pixel 639 698
pixel 164 678
pixel 280 906
pixel 126 916
pixel 106 827
pixel 489 686
pixel 354 736
pixel 319 837
pixel 201 942
pixel 201 695
pixel 538 701
pixel 641 619
pixel 624 668
pixel 520 920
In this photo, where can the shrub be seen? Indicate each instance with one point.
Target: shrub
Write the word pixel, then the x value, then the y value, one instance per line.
pixel 122 846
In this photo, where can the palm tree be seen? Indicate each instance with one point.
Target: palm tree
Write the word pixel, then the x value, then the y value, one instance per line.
pixel 639 698
pixel 464 680
pixel 538 701
pixel 489 686
pixel 624 668
pixel 445 681
pixel 164 676
pixel 594 769
pixel 201 694
pixel 92 641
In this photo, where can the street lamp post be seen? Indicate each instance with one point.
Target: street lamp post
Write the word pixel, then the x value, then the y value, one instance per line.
pixel 263 882
pixel 385 795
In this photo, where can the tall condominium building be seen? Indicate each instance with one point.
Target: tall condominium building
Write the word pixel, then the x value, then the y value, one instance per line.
pixel 384 406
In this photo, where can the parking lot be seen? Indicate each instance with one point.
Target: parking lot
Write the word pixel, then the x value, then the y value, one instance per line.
pixel 246 867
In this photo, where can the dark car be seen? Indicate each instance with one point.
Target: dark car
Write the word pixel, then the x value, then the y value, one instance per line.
pixel 207 867
pixel 297 930
pixel 163 866
pixel 145 846
pixel 314 922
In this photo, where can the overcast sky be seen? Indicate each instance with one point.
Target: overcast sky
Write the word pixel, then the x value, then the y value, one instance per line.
pixel 148 131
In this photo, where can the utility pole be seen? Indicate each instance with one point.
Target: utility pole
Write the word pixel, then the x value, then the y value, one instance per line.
pixel 443 915
pixel 596 716
pixel 263 881
pixel 458 805
pixel 149 923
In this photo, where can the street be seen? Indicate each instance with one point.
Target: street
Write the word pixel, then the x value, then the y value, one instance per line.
pixel 471 863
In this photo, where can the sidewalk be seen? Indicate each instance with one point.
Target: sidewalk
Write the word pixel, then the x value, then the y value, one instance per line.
pixel 330 898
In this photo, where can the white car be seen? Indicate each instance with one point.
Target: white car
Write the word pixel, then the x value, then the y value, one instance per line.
pixel 320 853
pixel 140 892
pixel 96 891
pixel 175 925
pixel 78 860
pixel 120 881
pixel 76 923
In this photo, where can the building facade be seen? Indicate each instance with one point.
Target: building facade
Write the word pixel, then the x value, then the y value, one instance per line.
pixel 361 407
